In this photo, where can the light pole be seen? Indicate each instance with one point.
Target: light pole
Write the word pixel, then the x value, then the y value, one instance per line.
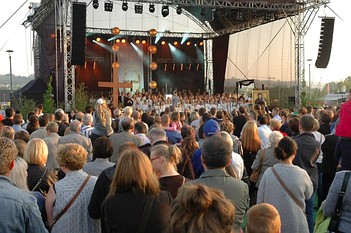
pixel 309 78
pixel 9 52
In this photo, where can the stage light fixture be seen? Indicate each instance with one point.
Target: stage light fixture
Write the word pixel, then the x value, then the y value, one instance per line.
pixel 108 6
pixel 125 6
pixel 268 16
pixel 239 15
pixel 96 4
pixel 163 42
pixel 118 40
pixel 202 12
pixel 138 8
pixel 179 10
pixel 165 10
pixel 188 43
pixel 137 41
pixel 151 8
pixel 98 39
pixel 143 41
pixel 175 43
pixel 123 41
pixel 201 43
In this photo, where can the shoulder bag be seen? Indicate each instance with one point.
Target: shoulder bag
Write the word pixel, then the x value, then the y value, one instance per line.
pixel 146 213
pixel 256 174
pixel 72 200
pixel 302 207
pixel 334 221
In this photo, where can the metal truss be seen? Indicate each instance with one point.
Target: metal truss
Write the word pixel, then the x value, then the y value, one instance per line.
pixel 258 5
pixel 300 25
pixel 36 51
pixel 146 33
pixel 170 60
pixel 208 65
pixel 69 75
pixel 45 9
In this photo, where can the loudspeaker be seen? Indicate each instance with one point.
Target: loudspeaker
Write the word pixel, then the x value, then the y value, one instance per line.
pixel 79 15
pixel 325 42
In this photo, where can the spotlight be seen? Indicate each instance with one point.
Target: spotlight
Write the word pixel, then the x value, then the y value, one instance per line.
pixel 175 43
pixel 124 6
pixel 165 11
pixel 201 43
pixel 179 10
pixel 96 4
pixel 137 41
pixel 188 43
pixel 268 16
pixel 123 41
pixel 152 8
pixel 98 39
pixel 138 8
pixel 143 41
pixel 118 40
pixel 163 42
pixel 108 6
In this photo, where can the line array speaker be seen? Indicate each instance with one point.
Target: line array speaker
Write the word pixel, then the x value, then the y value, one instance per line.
pixel 78 33
pixel 325 42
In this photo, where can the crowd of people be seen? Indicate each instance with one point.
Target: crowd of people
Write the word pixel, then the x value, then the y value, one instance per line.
pixel 191 163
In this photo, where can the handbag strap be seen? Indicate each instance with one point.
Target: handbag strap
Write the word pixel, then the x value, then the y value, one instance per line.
pixel 72 200
pixel 146 214
pixel 287 190
pixel 40 180
pixel 342 194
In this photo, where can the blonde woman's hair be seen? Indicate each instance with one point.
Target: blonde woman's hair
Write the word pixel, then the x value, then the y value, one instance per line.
pixel 18 174
pixel 249 137
pixel 263 218
pixel 171 153
pixel 198 208
pixel 134 170
pixel 102 111
pixel 8 153
pixel 7 132
pixel 36 152
pixel 72 156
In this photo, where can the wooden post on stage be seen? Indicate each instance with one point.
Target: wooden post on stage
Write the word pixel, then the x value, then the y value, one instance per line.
pixel 115 85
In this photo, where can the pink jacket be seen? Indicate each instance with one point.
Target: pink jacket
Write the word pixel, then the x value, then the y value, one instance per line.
pixel 343 129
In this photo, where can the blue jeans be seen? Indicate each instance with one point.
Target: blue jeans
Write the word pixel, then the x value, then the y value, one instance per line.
pixel 309 212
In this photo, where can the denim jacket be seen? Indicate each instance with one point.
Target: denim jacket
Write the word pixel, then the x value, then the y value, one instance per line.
pixel 19 210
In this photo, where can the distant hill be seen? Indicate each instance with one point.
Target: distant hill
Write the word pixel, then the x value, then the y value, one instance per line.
pixel 17 81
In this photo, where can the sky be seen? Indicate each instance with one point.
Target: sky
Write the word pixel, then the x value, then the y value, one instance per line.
pixel 15 37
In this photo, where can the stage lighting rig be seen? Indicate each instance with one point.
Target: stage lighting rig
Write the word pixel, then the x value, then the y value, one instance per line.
pixel 138 8
pixel 125 6
pixel 165 10
pixel 108 6
pixel 96 4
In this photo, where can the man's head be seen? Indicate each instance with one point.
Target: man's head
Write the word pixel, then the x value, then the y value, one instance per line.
pixel 52 127
pixel 87 119
pixel 216 152
pixel 140 127
pixel 263 218
pixel 127 124
pixel 275 111
pixel 165 120
pixel 9 112
pixel 306 123
pixel 44 120
pixel 262 120
pixel 75 126
pixel 127 111
pixel 157 134
pixel 211 128
pixel 8 153
pixel 242 110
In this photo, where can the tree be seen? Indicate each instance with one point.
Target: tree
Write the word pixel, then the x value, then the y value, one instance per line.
pixel 82 98
pixel 49 102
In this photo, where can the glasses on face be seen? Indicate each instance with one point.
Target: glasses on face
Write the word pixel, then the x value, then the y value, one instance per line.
pixel 154 158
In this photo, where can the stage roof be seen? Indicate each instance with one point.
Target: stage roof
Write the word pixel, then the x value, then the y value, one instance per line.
pixel 211 17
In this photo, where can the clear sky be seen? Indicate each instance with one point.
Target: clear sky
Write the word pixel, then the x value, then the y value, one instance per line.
pixel 15 37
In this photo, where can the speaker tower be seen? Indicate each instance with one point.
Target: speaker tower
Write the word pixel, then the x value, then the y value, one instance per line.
pixel 325 42
pixel 78 33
